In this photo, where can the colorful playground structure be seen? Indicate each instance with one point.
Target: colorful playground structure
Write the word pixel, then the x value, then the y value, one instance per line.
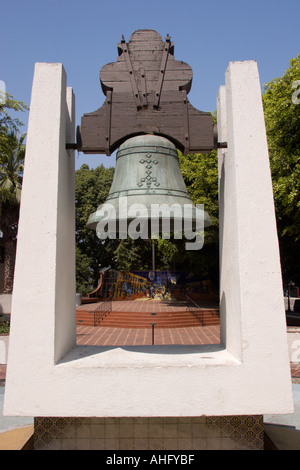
pixel 155 285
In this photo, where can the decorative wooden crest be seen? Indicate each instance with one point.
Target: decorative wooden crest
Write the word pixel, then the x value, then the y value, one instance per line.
pixel 146 92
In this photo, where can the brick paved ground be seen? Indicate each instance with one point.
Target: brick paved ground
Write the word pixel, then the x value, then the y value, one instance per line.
pixel 102 336
pixel 2 373
pixel 295 370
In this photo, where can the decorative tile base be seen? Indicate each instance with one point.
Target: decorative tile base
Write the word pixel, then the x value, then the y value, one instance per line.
pixel 203 433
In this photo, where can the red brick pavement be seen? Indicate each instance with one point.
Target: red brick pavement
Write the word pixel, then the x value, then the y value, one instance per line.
pixel 2 372
pixel 105 336
pixel 295 370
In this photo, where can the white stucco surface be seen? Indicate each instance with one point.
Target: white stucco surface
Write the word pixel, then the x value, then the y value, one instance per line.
pixel 48 375
pixel 5 303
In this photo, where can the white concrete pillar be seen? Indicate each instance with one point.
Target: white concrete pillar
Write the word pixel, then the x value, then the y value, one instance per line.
pixel 3 350
pixel 251 294
pixel 43 305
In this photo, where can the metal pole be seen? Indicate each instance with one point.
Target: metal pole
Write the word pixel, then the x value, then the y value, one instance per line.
pixel 153 325
pixel 153 255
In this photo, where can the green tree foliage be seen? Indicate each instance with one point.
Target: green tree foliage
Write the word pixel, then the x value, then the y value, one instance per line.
pixel 282 117
pixel 12 150
pixel 12 153
pixel 133 255
pixel 8 124
pixel 91 189
pixel 200 173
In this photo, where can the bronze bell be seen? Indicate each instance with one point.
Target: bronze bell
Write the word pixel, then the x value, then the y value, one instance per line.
pixel 147 176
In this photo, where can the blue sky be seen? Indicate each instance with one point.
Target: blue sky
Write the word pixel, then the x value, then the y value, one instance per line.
pixel 83 35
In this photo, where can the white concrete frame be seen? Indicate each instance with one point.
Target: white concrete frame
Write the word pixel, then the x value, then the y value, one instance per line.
pixel 249 373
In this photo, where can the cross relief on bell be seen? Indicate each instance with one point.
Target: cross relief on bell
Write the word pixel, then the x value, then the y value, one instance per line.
pixel 148 180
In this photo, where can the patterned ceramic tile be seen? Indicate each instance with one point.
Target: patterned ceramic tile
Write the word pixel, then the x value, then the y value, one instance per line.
pixel 246 431
pixel 211 433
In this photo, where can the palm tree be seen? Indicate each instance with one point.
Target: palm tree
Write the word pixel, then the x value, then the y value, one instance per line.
pixel 12 154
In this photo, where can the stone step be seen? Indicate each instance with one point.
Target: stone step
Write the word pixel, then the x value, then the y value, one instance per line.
pixel 176 319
